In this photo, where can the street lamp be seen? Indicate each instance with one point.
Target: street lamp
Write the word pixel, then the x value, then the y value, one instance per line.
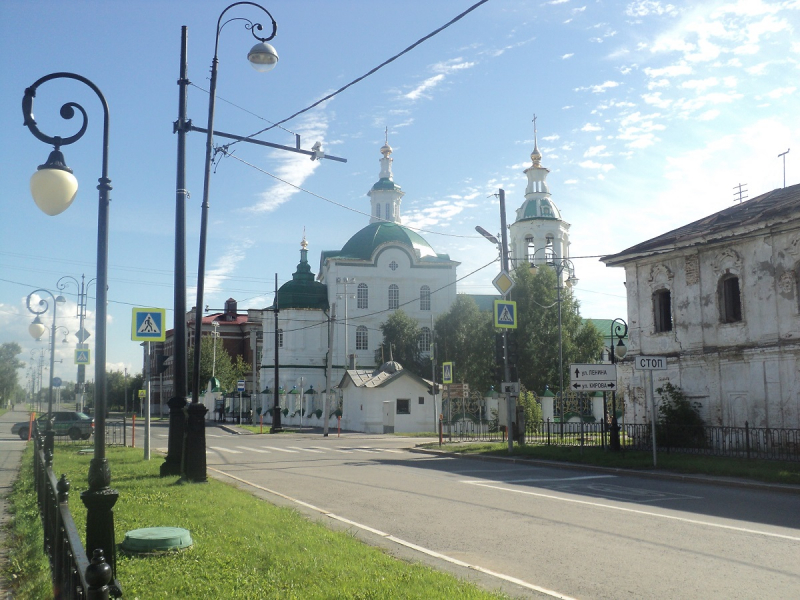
pixel 560 265
pixel 54 188
pixel 37 329
pixel 82 335
pixel 262 57
pixel 619 329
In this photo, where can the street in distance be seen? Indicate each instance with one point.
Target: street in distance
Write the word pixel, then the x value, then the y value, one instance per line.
pixel 593 377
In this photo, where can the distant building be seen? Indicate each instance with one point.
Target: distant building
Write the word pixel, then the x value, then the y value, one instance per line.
pixel 720 299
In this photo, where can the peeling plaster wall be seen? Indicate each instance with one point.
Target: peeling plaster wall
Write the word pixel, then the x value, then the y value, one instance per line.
pixel 744 371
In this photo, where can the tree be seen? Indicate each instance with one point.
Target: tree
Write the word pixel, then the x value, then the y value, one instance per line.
pixel 465 336
pixel 679 422
pixel 221 366
pixel 538 333
pixel 9 363
pixel 401 334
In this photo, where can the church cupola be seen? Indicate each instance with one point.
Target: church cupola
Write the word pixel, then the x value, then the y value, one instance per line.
pixel 385 195
pixel 538 230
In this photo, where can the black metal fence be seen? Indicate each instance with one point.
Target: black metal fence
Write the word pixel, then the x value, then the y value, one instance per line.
pixel 115 436
pixel 746 442
pixel 74 575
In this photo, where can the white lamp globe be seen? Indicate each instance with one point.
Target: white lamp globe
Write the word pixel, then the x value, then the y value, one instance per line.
pixel 36 329
pixel 263 57
pixel 53 186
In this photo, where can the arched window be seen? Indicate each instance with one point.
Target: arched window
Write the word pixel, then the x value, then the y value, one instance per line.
pixel 362 296
pixel 529 249
pixel 425 340
pixel 394 297
pixel 424 298
pixel 362 338
pixel 389 213
pixel 378 210
pixel 662 311
pixel 549 253
pixel 730 299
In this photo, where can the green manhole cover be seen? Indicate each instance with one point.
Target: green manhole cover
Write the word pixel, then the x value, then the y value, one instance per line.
pixel 156 539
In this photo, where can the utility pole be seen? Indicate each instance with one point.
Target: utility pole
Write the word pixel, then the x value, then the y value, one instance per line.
pixel 328 370
pixel 783 155
pixel 345 281
pixel 276 408
pixel 506 369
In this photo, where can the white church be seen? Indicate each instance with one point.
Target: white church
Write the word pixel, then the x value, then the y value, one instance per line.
pixel 382 268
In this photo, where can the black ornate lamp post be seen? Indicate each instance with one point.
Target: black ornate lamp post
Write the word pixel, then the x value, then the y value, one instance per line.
pixel 82 290
pixel 37 329
pixel 619 329
pixel 262 57
pixel 54 188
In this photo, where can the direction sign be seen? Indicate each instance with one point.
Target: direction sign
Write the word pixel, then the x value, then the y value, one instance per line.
pixel 505 314
pixel 458 390
pixel 650 363
pixel 447 372
pixel 147 325
pixel 82 356
pixel 240 385
pixel 595 377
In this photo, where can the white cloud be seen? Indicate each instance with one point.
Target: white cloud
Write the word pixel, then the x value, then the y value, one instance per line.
pixel 658 83
pixel 709 115
pixel 700 84
pixel 779 92
pixel 590 127
pixel 452 65
pixel 595 151
pixel 670 71
pixel 656 100
pixel 566 56
pixel 643 8
pixel 590 164
pixel 428 84
pixel 575 11
pixel 757 69
pixel 557 2
pixel 599 88
pixel 551 138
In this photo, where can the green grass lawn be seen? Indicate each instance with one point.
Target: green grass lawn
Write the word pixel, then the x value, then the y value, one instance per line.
pixel 243 547
pixel 759 470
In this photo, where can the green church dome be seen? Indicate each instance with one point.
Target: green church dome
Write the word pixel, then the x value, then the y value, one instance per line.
pixel 364 243
pixel 302 291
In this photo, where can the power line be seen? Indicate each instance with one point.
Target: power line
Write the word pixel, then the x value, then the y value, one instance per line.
pixel 372 71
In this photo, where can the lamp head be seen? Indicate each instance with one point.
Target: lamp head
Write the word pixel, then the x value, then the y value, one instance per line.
pixel 53 186
pixel 37 328
pixel 620 350
pixel 263 57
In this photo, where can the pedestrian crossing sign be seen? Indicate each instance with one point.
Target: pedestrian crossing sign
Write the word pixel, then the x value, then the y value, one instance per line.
pixel 447 372
pixel 82 356
pixel 148 325
pixel 505 314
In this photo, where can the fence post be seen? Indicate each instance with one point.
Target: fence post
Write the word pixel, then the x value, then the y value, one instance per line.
pixel 548 431
pixel 747 438
pixel 98 576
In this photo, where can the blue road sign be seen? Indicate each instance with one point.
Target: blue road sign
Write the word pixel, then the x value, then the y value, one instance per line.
pixel 147 325
pixel 505 314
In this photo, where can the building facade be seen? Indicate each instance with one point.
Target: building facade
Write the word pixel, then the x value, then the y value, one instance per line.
pixel 720 299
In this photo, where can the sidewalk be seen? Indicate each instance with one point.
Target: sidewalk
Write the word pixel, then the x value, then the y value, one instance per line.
pixel 11 448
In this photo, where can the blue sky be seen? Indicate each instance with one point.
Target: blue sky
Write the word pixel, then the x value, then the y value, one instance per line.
pixel 649 113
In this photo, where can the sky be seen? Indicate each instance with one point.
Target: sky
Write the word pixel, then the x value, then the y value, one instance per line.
pixel 649 115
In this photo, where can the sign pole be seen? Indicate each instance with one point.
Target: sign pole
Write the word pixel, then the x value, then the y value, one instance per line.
pixel 653 418
pixel 147 409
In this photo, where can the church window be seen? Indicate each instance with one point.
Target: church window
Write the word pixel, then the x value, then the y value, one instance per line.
pixel 388 211
pixel 280 338
pixel 730 299
pixel 424 298
pixel 378 210
pixel 549 253
pixel 362 338
pixel 394 297
pixel 393 266
pixel 529 249
pixel 662 311
pixel 424 342
pixel 362 296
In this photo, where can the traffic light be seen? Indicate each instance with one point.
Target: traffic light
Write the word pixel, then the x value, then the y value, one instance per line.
pixel 81 373
pixel 499 349
pixel 160 366
pixel 513 348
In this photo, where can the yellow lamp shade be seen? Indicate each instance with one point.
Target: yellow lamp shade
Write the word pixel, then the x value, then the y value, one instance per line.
pixel 36 329
pixel 53 190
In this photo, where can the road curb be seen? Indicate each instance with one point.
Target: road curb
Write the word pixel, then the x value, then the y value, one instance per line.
pixel 720 481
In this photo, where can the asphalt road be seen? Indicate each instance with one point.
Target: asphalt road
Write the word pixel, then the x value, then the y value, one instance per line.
pixel 528 530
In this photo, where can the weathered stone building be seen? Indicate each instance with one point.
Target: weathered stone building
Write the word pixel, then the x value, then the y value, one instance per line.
pixel 720 299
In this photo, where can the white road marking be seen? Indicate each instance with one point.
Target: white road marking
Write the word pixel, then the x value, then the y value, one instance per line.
pixel 535 480
pixel 218 449
pixel 393 451
pixel 306 450
pixel 638 512
pixel 402 542
pixel 367 450
pixel 281 449
pixel 332 449
pixel 253 449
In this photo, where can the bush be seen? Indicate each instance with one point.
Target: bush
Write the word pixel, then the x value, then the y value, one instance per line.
pixel 679 422
pixel 533 409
